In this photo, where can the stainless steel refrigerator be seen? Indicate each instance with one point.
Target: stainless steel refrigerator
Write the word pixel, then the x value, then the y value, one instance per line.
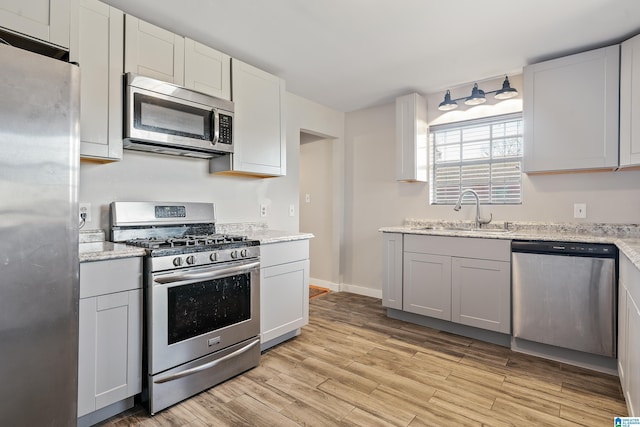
pixel 39 278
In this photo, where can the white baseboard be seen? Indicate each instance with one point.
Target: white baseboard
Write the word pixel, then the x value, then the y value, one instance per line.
pixel 344 287
pixel 325 284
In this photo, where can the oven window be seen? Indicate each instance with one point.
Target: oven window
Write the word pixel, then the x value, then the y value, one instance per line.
pixel 202 307
pixel 159 115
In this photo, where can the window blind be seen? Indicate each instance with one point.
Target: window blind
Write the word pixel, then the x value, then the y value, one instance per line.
pixel 484 155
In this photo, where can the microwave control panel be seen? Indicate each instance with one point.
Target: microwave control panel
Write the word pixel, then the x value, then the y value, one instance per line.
pixel 226 129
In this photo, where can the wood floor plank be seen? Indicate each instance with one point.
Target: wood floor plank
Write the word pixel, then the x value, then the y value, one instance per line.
pixel 368 403
pixel 352 365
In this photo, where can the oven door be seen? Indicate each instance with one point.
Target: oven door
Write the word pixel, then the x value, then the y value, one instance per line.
pixel 196 312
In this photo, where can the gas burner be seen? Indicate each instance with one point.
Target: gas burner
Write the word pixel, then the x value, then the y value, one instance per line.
pixel 191 240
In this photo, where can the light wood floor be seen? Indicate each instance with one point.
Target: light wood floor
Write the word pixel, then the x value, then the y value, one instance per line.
pixel 354 366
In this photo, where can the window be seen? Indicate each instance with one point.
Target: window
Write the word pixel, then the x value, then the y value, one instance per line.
pixel 484 155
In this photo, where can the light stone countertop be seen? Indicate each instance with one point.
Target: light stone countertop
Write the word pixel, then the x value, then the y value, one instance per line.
pixel 266 236
pixel 100 251
pixel 93 247
pixel 625 236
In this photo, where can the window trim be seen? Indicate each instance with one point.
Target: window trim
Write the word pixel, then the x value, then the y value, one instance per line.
pixel 466 124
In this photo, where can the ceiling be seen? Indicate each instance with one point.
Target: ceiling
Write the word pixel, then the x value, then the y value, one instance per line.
pixel 352 54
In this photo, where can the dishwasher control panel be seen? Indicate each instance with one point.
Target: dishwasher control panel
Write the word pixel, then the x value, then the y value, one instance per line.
pixel 567 248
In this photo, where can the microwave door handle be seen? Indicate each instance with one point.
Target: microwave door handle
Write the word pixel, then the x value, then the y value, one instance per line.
pixel 216 127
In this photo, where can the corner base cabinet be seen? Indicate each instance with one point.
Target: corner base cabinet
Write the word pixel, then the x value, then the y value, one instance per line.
pixel 110 333
pixel 284 290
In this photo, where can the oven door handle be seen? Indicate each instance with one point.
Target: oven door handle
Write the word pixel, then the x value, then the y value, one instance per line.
pixel 206 366
pixel 211 273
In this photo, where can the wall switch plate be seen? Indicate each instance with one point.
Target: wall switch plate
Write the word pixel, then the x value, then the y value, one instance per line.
pixel 580 210
pixel 292 210
pixel 307 198
pixel 84 208
pixel 263 210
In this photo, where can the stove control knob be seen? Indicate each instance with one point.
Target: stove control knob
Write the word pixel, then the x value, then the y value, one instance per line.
pixel 243 253
pixel 234 254
pixel 191 260
pixel 214 257
pixel 177 261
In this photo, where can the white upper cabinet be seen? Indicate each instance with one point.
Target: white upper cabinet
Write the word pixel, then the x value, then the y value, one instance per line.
pixel 207 70
pixel 571 112
pixel 630 102
pixel 46 20
pixel 153 52
pixel 97 45
pixel 411 138
pixel 259 134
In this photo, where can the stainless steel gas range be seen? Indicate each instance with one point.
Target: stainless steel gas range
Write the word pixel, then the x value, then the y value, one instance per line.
pixel 202 298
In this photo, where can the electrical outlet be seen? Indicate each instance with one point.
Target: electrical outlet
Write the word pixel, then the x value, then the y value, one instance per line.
pixel 292 210
pixel 307 198
pixel 580 210
pixel 85 208
pixel 263 211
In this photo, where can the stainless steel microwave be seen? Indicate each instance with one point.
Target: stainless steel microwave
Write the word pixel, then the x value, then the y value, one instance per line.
pixel 164 118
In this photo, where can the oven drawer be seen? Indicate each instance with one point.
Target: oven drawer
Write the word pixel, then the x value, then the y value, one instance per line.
pixel 185 380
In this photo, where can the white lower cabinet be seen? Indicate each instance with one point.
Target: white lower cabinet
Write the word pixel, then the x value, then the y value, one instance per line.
pixel 284 290
pixel 481 293
pixel 463 280
pixel 629 334
pixel 427 285
pixel 110 334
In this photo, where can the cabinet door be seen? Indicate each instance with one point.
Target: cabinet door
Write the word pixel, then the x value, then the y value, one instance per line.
pixel 46 20
pixel 630 102
pixel 632 373
pixel 153 52
pixel 284 299
pixel 392 270
pixel 481 294
pixel 571 112
pixel 259 134
pixel 427 285
pixel 207 70
pixel 411 138
pixel 98 48
pixel 110 349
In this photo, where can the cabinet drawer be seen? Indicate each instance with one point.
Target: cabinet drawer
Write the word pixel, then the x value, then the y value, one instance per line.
pixel 283 252
pixel 491 249
pixel 109 276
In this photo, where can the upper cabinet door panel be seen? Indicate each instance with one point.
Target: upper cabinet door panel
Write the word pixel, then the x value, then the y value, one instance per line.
pixel 571 112
pixel 259 121
pixel 97 45
pixel 207 70
pixel 153 52
pixel 46 20
pixel 630 102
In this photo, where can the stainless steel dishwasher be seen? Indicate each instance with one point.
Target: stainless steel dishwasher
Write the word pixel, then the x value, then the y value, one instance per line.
pixel 564 294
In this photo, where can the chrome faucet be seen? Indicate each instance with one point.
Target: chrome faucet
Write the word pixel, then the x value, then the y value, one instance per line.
pixel 479 221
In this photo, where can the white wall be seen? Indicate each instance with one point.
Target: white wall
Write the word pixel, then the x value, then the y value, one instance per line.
pixel 155 177
pixel 316 172
pixel 374 199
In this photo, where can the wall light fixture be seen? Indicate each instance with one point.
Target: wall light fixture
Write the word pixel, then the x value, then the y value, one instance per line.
pixel 478 96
